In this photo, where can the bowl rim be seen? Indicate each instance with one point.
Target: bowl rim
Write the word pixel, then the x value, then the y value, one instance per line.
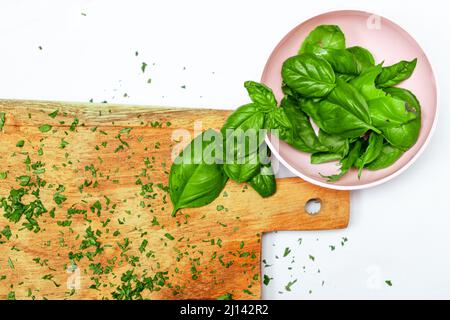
pixel 389 177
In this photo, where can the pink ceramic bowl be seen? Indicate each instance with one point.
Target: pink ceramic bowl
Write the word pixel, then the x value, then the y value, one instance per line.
pixel 387 41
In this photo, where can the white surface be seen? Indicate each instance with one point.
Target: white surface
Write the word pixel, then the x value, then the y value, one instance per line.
pixel 399 231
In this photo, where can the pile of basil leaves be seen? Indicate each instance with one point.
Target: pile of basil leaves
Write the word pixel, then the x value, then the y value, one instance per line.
pixel 363 120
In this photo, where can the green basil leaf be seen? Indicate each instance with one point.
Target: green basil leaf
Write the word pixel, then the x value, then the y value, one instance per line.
pixel 323 157
pixel 334 143
pixel 308 75
pixel 279 125
pixel 392 75
pixel 345 77
pixel 261 95
pixel 405 135
pixel 243 127
pixel 365 83
pixel 372 152
pixel 390 112
pixel 301 125
pixel 387 157
pixel 347 162
pixel 242 170
pixel 196 179
pixel 346 96
pixel 334 119
pixel 264 182
pixel 341 60
pixel 245 117
pixel 363 57
pixel 324 36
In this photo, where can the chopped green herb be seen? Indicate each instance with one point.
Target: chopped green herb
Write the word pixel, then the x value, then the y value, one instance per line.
pixel 226 296
pixel 10 263
pixel 290 284
pixel 53 114
pixel 45 128
pixel 143 67
pixel 286 252
pixel 2 120
pixel 74 124
pixel 169 236
pixel 266 279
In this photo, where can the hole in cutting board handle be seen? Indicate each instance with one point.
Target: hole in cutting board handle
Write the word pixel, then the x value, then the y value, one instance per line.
pixel 313 206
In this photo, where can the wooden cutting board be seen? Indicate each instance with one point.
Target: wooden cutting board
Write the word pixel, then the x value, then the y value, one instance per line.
pixel 111 234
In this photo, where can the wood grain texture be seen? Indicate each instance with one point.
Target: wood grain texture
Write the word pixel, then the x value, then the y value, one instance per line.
pixel 215 249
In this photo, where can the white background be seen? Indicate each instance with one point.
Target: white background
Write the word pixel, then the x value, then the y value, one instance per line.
pixel 399 231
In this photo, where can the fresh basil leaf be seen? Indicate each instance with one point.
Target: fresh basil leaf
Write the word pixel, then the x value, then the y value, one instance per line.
pixel 334 119
pixel 196 179
pixel 405 135
pixel 365 83
pixel 242 131
pixel 390 112
pixel 334 143
pixel 301 125
pixel 264 182
pixel 347 162
pixel 346 96
pixel 345 77
pixel 372 152
pixel 242 170
pixel 289 92
pixel 341 60
pixel 261 95
pixel 292 126
pixel 324 36
pixel 308 75
pixel 392 75
pixel 387 157
pixel 323 157
pixel 363 57
pixel 279 125
pixel 245 117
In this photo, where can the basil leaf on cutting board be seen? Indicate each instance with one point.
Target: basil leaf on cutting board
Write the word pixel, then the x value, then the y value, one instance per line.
pixel 195 180
pixel 308 75
pixel 396 73
pixel 264 182
pixel 240 125
pixel 242 170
